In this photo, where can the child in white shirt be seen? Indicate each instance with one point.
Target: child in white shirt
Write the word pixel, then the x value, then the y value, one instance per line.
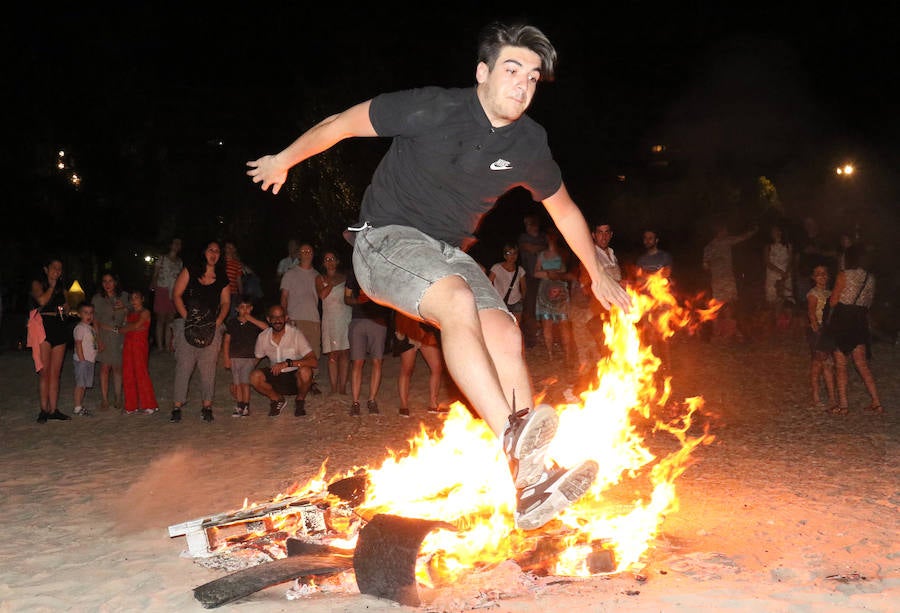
pixel 85 355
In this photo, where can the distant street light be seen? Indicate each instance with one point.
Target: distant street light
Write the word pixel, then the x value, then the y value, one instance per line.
pixel 845 171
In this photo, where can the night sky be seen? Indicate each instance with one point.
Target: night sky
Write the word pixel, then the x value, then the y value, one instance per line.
pixel 151 89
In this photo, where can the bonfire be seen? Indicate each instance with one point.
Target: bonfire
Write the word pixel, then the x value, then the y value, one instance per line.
pixel 455 481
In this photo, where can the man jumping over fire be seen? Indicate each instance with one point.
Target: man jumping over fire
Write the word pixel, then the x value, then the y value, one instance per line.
pixel 454 153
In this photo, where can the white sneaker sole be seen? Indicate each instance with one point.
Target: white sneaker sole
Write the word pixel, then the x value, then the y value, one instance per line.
pixel 569 487
pixel 531 448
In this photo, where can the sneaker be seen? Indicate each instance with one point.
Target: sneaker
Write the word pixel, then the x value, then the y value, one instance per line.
pixel 144 411
pixel 404 412
pixel 206 414
pixel 77 410
pixel 555 489
pixel 245 412
pixel 275 407
pixel 526 440
pixel 372 406
pixel 59 415
pixel 299 407
pixel 42 417
pixel 85 413
pixel 238 412
pixel 354 408
pixel 176 415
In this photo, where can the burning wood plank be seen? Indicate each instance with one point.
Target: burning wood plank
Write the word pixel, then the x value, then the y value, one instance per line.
pixel 205 534
pixel 384 562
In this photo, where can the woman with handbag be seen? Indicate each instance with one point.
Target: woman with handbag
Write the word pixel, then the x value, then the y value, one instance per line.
pixel 853 294
pixel 202 299
pixel 508 278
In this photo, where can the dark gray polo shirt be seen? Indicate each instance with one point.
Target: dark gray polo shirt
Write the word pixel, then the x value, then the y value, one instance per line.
pixel 447 166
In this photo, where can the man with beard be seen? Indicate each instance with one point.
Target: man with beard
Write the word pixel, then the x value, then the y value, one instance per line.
pixel 291 364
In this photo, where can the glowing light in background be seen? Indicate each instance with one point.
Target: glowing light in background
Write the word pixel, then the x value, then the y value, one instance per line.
pixel 845 171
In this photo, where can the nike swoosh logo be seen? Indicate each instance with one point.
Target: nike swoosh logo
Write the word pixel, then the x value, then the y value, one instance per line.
pixel 501 164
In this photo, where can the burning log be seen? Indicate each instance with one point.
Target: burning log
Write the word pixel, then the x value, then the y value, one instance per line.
pixel 384 561
pixel 250 580
pixel 385 556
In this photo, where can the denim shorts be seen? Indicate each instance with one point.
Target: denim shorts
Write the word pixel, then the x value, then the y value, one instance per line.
pixel 395 265
pixel 84 374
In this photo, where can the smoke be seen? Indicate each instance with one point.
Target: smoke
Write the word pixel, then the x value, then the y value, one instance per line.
pixel 172 489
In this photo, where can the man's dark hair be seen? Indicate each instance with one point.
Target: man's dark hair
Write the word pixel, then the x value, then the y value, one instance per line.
pixel 498 35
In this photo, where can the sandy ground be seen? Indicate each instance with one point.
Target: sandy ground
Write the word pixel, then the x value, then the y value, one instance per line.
pixel 789 509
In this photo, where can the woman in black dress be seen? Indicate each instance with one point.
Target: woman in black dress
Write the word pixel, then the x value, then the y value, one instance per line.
pixel 48 298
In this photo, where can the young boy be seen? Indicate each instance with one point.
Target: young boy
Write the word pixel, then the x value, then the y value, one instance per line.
pixel 85 355
pixel 239 348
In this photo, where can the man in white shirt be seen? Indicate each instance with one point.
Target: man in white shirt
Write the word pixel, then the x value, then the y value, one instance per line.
pixel 291 364
pixel 602 234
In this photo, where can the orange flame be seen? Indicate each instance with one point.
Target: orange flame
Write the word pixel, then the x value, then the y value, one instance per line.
pixel 460 475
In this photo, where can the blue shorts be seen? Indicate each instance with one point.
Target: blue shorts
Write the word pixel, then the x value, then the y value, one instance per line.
pixel 84 374
pixel 396 265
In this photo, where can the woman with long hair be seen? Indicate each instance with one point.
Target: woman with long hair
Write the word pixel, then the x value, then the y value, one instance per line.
pixel 110 309
pixel 202 299
pixel 850 300
pixel 50 314
pixel 335 321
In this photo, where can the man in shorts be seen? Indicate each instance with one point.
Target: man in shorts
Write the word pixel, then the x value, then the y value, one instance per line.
pixel 291 364
pixel 454 153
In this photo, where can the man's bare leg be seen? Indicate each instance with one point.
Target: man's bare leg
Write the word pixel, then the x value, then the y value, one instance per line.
pixel 503 339
pixel 449 303
pixel 483 352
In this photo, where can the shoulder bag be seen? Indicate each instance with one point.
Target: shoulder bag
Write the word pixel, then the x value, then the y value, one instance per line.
pixel 512 284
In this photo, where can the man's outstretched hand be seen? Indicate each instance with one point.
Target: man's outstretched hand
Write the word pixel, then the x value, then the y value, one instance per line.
pixel 610 293
pixel 268 171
